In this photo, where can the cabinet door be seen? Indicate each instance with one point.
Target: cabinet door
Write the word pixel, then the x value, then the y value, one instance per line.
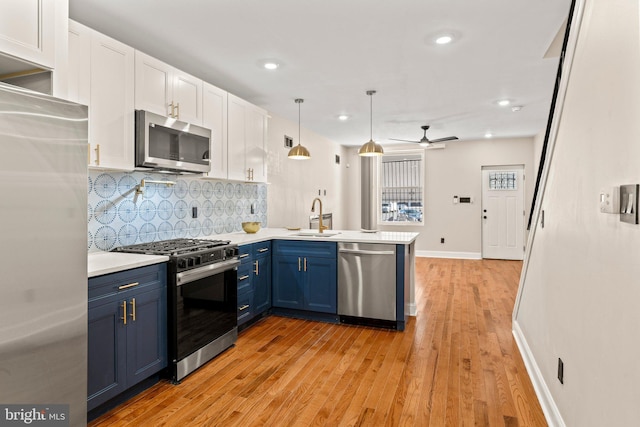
pixel 146 334
pixel 153 84
pixel 321 285
pixel 106 351
pixel 111 119
pixel 187 97
pixel 79 68
pixel 236 168
pixel 27 30
pixel 214 117
pixel 287 285
pixel 262 284
pixel 256 144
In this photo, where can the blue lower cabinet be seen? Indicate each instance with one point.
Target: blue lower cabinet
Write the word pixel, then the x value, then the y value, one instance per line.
pixel 305 276
pixel 254 281
pixel 262 284
pixel 127 330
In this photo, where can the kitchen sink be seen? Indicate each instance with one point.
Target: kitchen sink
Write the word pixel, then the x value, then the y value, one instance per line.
pixel 317 234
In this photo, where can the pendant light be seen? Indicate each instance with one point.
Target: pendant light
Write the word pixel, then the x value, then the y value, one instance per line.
pixel 370 149
pixel 299 152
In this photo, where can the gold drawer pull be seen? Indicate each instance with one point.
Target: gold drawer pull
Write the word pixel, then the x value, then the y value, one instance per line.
pixel 244 255
pixel 243 277
pixel 244 307
pixel 130 285
pixel 263 249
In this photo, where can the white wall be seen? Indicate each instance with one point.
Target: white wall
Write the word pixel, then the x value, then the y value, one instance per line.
pixel 580 295
pixel 455 170
pixel 293 184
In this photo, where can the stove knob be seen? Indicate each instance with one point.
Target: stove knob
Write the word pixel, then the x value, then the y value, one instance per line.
pixel 198 260
pixel 182 263
pixel 190 261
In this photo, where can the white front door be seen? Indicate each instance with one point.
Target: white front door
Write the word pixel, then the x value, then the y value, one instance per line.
pixel 503 212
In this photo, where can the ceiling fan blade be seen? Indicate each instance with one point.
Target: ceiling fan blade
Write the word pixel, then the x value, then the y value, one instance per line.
pixel 448 138
pixel 403 140
pixel 436 147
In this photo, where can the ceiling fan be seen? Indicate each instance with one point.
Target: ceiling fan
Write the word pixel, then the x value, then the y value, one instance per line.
pixel 426 142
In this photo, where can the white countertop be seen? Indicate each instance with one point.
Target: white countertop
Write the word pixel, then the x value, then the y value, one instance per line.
pixel 100 263
pixel 393 237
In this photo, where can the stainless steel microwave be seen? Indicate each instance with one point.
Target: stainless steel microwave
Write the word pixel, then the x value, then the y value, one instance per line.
pixel 167 144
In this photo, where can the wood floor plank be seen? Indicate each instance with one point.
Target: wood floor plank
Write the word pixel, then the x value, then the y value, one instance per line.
pixel 456 364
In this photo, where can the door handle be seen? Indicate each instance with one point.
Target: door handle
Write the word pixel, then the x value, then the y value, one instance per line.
pixel 124 312
pixel 133 309
pixel 257 270
pixel 305 264
pixel 299 267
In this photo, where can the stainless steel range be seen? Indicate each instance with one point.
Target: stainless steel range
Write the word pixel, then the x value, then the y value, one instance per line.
pixel 202 299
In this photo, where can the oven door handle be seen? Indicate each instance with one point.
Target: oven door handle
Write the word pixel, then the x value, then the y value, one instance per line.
pixel 208 270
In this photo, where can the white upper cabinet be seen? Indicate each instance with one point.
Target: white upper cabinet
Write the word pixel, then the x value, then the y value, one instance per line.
pixel 101 74
pixel 27 30
pixel 247 137
pixel 79 68
pixel 165 90
pixel 214 117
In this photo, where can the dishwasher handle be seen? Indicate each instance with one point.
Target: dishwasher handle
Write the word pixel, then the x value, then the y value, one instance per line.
pixel 364 252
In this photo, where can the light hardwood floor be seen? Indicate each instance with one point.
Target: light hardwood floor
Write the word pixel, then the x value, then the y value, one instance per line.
pixel 455 365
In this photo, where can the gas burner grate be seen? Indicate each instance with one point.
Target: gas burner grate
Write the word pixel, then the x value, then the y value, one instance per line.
pixel 172 247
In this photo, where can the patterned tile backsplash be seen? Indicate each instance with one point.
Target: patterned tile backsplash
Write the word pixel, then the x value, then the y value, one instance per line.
pixel 166 212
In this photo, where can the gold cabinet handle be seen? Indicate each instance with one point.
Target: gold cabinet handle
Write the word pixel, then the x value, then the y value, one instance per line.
pixel 133 309
pixel 130 285
pixel 177 116
pixel 97 154
pixel 257 270
pixel 124 312
pixel 243 277
pixel 299 268
pixel 263 249
pixel 244 255
pixel 171 114
pixel 242 308
pixel 305 264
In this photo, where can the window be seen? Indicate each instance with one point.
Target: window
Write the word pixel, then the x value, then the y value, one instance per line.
pixel 402 187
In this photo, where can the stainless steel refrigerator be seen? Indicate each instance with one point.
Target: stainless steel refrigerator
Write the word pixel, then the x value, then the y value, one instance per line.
pixel 43 252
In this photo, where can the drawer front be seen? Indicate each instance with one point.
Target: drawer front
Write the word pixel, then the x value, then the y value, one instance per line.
pixel 305 249
pixel 261 249
pixel 245 253
pixel 112 284
pixel 245 272
pixel 245 307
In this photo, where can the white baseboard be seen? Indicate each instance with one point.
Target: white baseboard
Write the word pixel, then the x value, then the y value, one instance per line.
pixel 447 254
pixel 413 309
pixel 549 407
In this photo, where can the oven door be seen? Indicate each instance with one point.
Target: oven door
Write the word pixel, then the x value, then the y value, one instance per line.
pixel 205 306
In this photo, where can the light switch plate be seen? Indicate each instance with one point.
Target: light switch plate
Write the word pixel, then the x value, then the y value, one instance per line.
pixel 609 200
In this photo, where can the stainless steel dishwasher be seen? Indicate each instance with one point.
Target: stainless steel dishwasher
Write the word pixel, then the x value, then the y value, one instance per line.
pixel 367 283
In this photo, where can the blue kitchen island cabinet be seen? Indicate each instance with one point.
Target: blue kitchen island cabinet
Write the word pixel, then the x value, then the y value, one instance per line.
pixel 304 277
pixel 127 331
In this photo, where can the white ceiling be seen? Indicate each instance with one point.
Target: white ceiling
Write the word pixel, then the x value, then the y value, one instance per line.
pixel 333 51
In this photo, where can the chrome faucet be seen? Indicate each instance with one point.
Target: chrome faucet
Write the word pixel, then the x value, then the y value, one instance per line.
pixel 321 227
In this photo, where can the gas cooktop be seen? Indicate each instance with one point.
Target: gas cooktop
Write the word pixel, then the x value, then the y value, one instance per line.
pixel 173 247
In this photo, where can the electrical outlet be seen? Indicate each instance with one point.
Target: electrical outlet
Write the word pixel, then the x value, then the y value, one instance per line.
pixel 194 212
pixel 442 240
pixel 560 371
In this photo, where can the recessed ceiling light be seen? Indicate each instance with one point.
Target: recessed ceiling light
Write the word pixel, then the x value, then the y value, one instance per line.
pixel 445 39
pixel 504 102
pixel 343 117
pixel 271 65
pixel 516 108
pixel 488 135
